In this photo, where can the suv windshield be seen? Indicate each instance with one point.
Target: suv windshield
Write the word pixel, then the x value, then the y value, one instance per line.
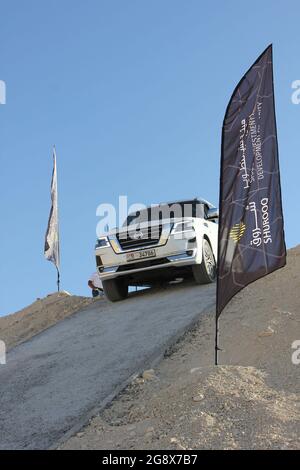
pixel 170 211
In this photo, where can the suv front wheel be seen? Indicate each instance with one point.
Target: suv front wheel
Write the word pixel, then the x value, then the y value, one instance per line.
pixel 115 289
pixel 205 272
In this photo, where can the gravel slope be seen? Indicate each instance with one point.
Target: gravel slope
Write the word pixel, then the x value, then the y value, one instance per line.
pixel 53 382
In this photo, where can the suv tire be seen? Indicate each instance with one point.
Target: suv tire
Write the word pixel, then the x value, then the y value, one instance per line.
pixel 205 272
pixel 115 289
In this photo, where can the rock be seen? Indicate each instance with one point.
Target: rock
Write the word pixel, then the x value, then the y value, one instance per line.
pixel 210 420
pixel 198 397
pixel 195 369
pixel 148 374
pixel 268 332
pixel 139 381
pixel 150 429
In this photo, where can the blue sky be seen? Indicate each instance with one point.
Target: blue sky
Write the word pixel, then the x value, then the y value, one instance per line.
pixel 133 94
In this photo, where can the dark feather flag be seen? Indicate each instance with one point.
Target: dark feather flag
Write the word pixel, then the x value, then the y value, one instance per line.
pixel 251 235
pixel 52 235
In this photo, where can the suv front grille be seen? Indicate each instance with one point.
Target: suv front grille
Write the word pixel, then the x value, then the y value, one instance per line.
pixel 140 238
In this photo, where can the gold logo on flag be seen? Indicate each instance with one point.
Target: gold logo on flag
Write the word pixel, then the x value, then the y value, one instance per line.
pixel 237 231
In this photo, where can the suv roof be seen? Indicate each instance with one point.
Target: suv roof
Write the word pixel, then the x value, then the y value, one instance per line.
pixel 185 201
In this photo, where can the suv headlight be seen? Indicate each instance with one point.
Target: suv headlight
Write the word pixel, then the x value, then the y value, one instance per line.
pixel 180 227
pixel 102 242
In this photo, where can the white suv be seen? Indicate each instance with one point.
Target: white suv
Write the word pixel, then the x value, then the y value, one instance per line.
pixel 157 244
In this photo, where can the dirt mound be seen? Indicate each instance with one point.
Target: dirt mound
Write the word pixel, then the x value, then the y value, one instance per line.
pixel 228 407
pixel 250 402
pixel 43 313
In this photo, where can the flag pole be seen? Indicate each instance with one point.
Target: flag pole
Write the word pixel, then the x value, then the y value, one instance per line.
pixel 58 279
pixel 217 313
pixel 217 349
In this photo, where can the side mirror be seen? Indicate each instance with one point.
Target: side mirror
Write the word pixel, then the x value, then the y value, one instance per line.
pixel 213 213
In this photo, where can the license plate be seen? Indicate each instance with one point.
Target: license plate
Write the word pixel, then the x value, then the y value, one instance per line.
pixel 140 255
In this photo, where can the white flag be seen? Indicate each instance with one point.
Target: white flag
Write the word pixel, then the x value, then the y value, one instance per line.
pixel 52 234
